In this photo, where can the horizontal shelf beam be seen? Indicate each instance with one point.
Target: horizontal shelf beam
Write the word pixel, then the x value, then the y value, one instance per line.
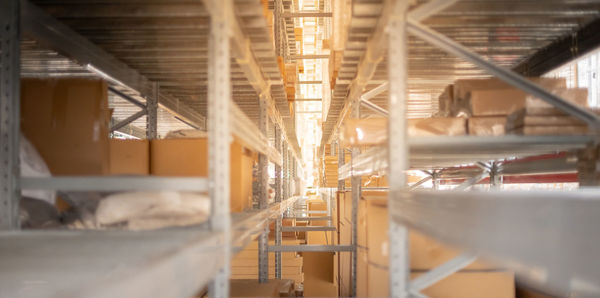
pixel 306 57
pixel 307 14
pixel 310 248
pixel 115 183
pixel 303 218
pixel 308 229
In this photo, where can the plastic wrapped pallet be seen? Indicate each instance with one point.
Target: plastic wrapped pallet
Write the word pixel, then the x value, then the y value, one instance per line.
pixel 493 97
pixel 373 131
pixel 540 118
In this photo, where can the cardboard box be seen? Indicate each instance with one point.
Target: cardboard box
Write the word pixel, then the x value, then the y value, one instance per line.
pixel 319 274
pixel 67 120
pixel 463 88
pixel 425 252
pixel 487 126
pixel 129 157
pixel 189 157
pixel 373 131
pixel 500 102
pixel 251 288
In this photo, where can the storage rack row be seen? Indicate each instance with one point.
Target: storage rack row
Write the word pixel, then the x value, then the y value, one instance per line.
pixel 162 263
pixel 545 237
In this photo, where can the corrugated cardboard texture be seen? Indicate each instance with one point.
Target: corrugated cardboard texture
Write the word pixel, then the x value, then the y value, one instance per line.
pixel 425 252
pixel 67 122
pixel 319 275
pixel 251 288
pixel 129 157
pixel 373 131
pixel 189 157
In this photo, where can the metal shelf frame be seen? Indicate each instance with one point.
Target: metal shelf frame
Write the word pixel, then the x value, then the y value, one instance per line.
pixel 206 251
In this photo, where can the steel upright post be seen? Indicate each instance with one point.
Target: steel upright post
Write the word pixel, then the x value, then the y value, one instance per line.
pixel 219 100
pixel 278 196
pixel 278 235
pixel 397 145
pixel 263 194
pixel 285 154
pixel 263 256
pixel 10 173
pixel 356 194
pixel 152 113
pixel 263 159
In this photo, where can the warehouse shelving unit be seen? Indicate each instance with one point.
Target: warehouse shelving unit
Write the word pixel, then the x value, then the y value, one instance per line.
pixel 35 40
pixel 490 223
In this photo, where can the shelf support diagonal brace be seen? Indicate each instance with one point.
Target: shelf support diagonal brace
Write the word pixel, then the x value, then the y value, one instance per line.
pixel 508 76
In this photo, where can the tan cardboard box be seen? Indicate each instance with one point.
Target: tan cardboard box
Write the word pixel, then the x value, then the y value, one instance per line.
pixel 373 131
pixel 498 102
pixel 67 122
pixel 129 157
pixel 189 157
pixel 319 275
pixel 251 288
pixel 425 252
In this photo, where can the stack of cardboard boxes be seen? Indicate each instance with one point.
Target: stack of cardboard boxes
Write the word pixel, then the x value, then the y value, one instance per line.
pixel 488 103
pixel 320 268
pixel 67 120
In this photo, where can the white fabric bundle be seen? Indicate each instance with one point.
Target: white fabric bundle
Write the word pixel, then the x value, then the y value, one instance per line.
pixel 151 210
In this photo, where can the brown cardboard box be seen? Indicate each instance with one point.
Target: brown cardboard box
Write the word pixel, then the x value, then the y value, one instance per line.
pixel 319 274
pixel 463 88
pixel 498 102
pixel 67 122
pixel 129 157
pixel 373 131
pixel 487 126
pixel 251 288
pixel 189 157
pixel 425 252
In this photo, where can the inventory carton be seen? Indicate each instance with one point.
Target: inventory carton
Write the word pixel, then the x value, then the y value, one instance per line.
pixel 67 121
pixel 189 157
pixel 373 131
pixel 129 157
pixel 319 274
pixel 252 288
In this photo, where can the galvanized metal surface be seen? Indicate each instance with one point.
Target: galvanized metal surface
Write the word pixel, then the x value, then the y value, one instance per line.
pixel 9 114
pixel 523 231
pixel 504 32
